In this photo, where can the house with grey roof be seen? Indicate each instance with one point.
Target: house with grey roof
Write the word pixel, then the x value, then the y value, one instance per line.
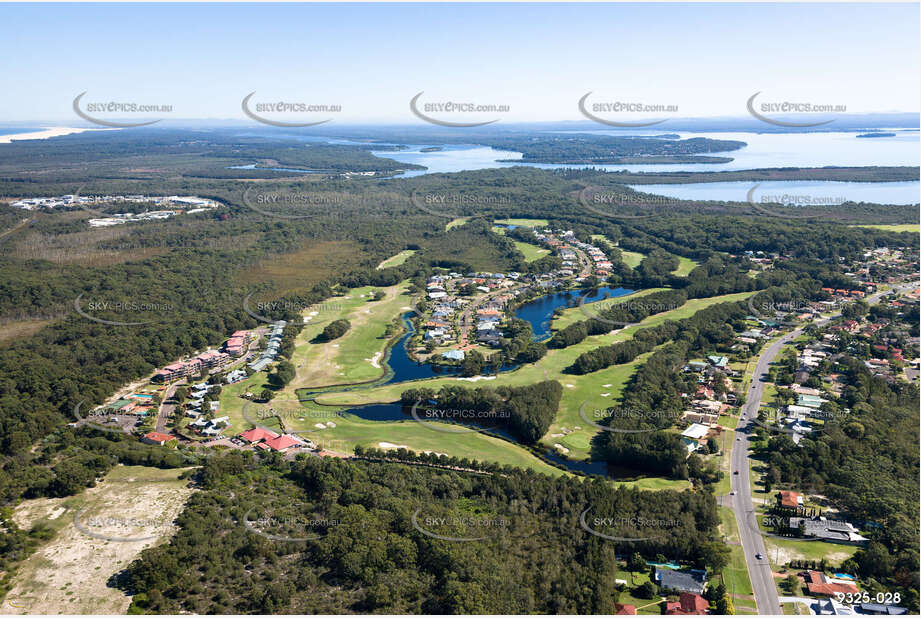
pixel 693 580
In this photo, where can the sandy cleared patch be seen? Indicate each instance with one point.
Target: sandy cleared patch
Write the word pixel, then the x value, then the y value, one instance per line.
pixel 786 554
pixel 375 360
pixel 391 445
pixel 44 134
pixel 478 378
pixel 69 573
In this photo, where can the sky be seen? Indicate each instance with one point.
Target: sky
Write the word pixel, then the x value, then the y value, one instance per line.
pixel 537 59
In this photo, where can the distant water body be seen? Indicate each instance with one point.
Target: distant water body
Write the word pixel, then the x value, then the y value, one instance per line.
pixel 15 130
pixel 793 192
pixel 762 150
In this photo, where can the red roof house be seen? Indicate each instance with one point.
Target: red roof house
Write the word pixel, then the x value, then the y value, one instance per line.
pixel 283 443
pixel 258 434
pixel 690 604
pixel 155 437
pixel 622 609
pixel 790 499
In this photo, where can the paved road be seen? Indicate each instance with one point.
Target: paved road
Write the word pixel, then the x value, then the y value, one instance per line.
pixel 741 502
pixel 166 409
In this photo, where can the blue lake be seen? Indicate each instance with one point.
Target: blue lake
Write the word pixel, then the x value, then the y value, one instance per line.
pixel 405 368
pixel 539 312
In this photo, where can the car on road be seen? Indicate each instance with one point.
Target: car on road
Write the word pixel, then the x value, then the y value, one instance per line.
pixel 738 438
pixel 736 472
pixel 732 493
pixel 758 556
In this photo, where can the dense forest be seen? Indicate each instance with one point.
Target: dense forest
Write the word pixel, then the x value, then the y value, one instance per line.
pixel 370 547
pixel 525 412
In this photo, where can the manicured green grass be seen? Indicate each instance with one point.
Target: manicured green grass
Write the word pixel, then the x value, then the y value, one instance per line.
pixel 456 222
pixel 735 574
pixel 656 484
pixel 397 259
pixel 232 404
pixel 644 607
pixel 903 227
pixel 352 357
pixel 781 551
pixel 541 223
pixel 727 443
pixel 351 431
pixel 632 258
pixel 531 253
pixel 577 389
pixel 590 310
pixel 685 265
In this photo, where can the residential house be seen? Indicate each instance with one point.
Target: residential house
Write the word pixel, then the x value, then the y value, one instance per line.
pixel 789 499
pixel 879 609
pixel 818 584
pixel 683 581
pixel 689 604
pixel 825 529
pixel 155 437
pixel 693 435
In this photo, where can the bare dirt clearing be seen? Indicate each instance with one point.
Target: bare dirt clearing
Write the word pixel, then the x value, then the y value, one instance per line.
pixel 70 573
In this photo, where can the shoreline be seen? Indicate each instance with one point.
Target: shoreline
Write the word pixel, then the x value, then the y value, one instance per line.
pixel 45 133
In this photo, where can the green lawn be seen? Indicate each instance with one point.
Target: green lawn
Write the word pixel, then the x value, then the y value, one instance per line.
pixel 655 484
pixel 631 258
pixel 727 443
pixel 356 356
pixel 541 223
pixel 577 314
pixel 531 253
pixel 685 265
pixel 397 259
pixel 351 431
pixel 597 390
pixel 903 227
pixel 735 574
pixel 644 607
pixel 456 222
pixel 232 404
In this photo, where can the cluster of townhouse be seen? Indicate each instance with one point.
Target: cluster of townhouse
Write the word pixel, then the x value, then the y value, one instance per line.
pixel 564 244
pixel 272 347
pixel 191 367
pixel 236 345
pixel 195 403
pixel 209 427
pixel 206 361
pixel 187 203
pixel 443 292
pixel 712 397
pixel 167 206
